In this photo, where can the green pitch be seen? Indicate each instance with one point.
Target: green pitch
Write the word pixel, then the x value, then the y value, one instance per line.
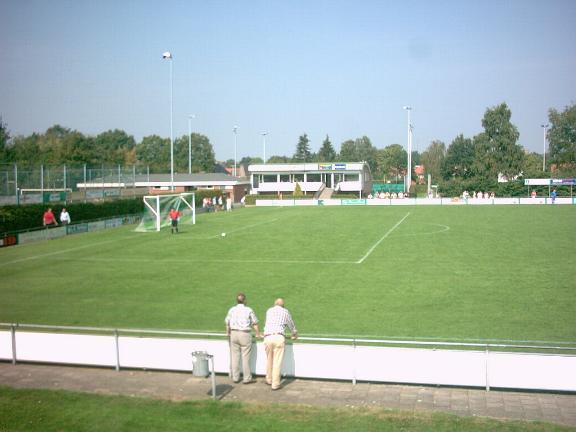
pixel 474 272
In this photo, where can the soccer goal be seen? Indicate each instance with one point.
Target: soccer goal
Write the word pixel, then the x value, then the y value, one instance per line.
pixel 157 208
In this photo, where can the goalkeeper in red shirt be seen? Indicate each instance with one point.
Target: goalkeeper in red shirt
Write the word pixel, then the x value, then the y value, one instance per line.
pixel 174 217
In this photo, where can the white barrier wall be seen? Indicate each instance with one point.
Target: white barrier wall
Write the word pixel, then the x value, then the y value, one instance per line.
pixel 416 201
pixel 305 360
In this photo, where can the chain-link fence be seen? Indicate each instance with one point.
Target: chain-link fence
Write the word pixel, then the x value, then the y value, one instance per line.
pixel 23 184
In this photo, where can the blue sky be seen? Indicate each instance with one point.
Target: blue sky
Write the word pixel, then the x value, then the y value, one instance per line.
pixel 342 68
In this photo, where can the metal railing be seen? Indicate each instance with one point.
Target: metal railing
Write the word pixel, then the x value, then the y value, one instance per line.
pixel 566 348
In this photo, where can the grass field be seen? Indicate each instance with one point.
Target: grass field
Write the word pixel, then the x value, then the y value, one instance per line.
pixel 45 411
pixel 474 272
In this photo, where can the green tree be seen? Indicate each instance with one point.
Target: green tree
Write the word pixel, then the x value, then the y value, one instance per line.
pixel 154 151
pixel 496 148
pixel 391 162
pixel 459 159
pixel 359 150
pixel 4 141
pixel 327 152
pixel 533 166
pixel 251 160
pixel 562 138
pixel 302 149
pixel 26 150
pixel 113 145
pixel 279 159
pixel 203 158
pixel 433 158
pixel 416 158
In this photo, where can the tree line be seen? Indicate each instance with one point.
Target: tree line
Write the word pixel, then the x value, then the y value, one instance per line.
pixel 60 145
pixel 473 163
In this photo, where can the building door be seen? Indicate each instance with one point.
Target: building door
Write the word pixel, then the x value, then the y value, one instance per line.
pixel 327 179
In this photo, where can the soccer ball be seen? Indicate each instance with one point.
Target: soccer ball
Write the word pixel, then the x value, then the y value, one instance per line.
pixel 223 234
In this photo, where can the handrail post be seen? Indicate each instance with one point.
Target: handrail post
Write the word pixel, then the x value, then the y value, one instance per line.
pixel 13 333
pixel 487 358
pixel 354 361
pixel 117 347
pixel 213 378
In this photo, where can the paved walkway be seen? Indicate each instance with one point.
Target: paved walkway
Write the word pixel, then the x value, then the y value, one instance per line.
pixel 553 408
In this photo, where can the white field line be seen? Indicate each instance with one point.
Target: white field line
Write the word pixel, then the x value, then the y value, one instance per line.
pixel 188 261
pixel 361 260
pixel 242 228
pixel 443 229
pixel 63 251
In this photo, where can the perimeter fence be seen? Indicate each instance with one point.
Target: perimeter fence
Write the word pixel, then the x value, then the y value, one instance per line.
pixel 26 184
pixel 525 365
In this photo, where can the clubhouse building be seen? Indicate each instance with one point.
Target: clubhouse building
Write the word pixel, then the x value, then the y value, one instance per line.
pixel 313 178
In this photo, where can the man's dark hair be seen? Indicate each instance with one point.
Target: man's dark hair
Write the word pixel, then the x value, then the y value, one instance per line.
pixel 241 298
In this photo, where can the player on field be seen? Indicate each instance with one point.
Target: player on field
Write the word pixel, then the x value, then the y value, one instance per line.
pixel 174 216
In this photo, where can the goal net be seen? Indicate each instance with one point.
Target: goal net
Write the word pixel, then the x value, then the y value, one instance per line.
pixel 157 208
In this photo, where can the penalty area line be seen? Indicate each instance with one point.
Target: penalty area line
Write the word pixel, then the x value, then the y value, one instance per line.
pixel 361 260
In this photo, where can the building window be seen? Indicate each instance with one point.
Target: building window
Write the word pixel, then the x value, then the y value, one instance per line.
pixel 314 177
pixel 269 178
pixel 299 177
pixel 284 178
pixel 351 177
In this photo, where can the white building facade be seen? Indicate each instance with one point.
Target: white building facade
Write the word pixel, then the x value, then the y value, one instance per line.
pixel 354 177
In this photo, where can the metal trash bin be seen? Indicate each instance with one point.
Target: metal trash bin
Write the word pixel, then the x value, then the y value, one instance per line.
pixel 200 364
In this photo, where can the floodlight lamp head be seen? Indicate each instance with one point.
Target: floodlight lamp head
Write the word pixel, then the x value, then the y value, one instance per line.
pixel 235 128
pixel 167 55
pixel 407 108
pixel 544 126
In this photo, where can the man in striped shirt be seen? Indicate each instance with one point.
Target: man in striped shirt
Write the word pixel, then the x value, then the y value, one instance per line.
pixel 277 319
pixel 239 322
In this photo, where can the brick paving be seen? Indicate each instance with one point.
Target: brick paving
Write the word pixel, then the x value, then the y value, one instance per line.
pixel 548 407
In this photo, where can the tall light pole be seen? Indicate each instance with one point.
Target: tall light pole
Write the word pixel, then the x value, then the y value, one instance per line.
pixel 235 130
pixel 190 117
pixel 264 144
pixel 408 180
pixel 545 128
pixel 168 56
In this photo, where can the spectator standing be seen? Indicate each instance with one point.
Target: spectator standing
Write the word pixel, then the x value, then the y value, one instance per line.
pixel 64 217
pixel 239 323
pixel 48 218
pixel 553 195
pixel 277 319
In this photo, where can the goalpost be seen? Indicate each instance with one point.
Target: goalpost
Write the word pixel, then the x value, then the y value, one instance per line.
pixel 157 208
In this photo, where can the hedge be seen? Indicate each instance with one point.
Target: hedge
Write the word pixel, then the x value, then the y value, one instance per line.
pixel 29 216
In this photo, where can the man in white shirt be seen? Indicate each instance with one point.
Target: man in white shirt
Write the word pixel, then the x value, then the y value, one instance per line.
pixel 277 319
pixel 239 322
pixel 64 217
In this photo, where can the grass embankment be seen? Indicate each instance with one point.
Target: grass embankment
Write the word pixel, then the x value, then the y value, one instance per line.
pixel 48 411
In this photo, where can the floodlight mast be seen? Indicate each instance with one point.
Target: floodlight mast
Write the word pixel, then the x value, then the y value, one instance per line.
pixel 168 56
pixel 235 130
pixel 264 145
pixel 408 180
pixel 545 128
